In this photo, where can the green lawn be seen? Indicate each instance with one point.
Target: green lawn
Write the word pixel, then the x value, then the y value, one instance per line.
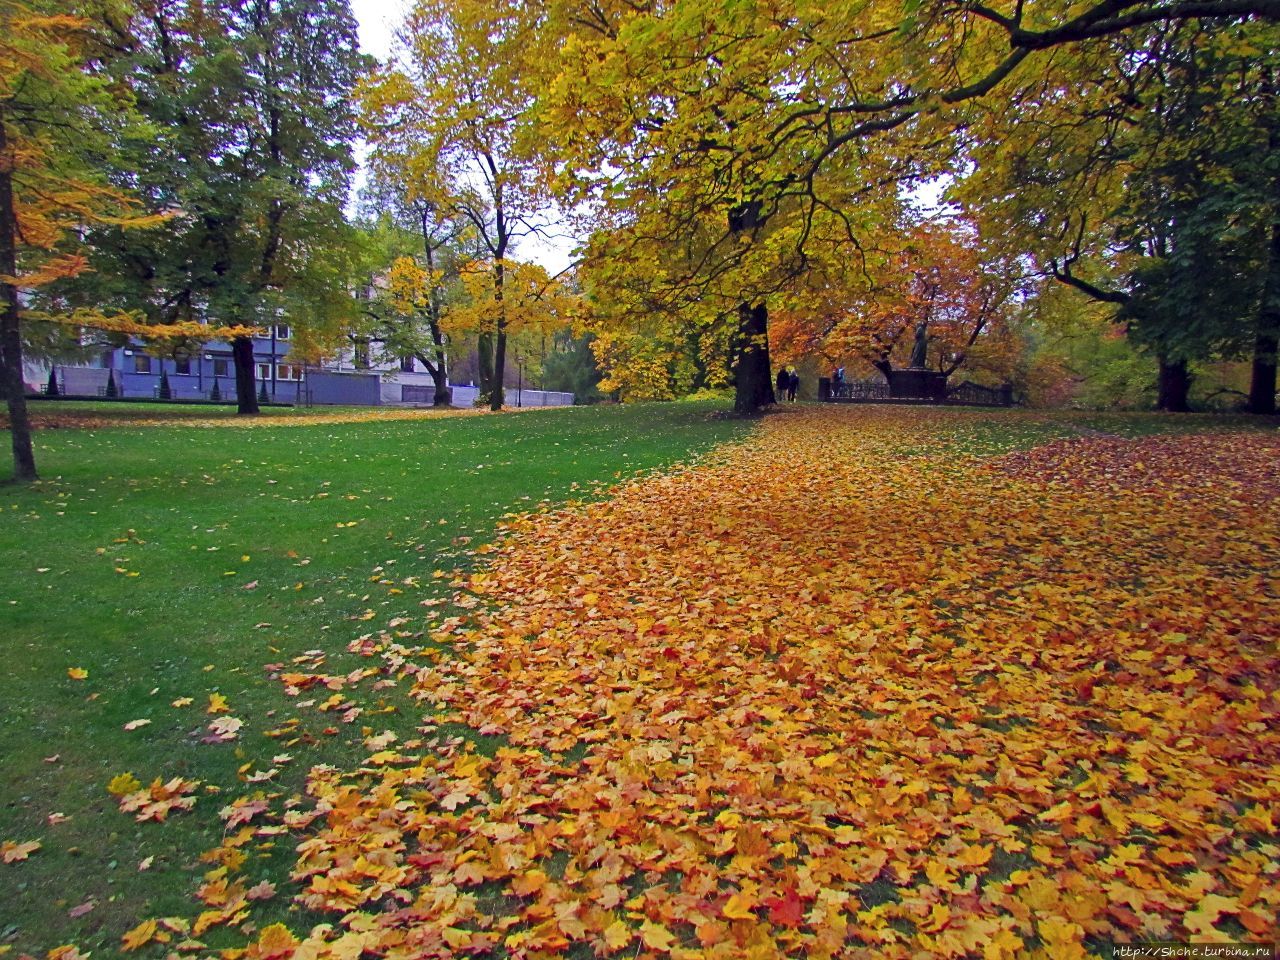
pixel 174 562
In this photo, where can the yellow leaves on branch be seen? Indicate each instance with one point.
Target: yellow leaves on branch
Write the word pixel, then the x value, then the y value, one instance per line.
pixel 135 324
pixel 890 699
pixel 529 299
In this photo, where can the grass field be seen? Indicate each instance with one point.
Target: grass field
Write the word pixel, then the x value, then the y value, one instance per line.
pixel 174 562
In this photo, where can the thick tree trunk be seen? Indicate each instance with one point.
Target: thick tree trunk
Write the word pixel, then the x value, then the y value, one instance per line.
pixel 497 397
pixel 753 380
pixel 246 396
pixel 439 370
pixel 24 459
pixel 1262 385
pixel 499 394
pixel 443 396
pixel 484 367
pixel 1173 386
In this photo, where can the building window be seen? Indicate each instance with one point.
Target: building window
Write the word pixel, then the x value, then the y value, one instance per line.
pixel 282 331
pixel 264 372
pixel 406 364
pixel 141 363
pixel 182 366
pixel 221 368
pixel 362 355
pixel 289 371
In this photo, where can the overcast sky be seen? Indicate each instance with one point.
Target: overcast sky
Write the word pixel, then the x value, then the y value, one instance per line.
pixel 378 20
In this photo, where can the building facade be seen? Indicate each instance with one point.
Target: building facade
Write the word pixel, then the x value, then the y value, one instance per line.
pixel 208 374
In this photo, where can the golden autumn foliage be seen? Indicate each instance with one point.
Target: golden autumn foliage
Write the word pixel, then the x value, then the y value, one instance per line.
pixel 528 300
pixel 906 697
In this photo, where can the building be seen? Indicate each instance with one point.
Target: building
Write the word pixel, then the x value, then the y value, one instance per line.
pixel 209 374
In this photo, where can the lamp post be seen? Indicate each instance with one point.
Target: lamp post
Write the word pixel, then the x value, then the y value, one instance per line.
pixel 520 380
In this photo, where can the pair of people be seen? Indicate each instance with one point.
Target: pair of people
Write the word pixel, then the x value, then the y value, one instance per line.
pixel 787 385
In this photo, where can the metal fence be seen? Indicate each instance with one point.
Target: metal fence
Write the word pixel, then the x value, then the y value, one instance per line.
pixel 877 390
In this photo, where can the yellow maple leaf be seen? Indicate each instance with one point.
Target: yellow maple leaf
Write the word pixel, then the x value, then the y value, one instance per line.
pixel 77 673
pixel 939 917
pixel 276 941
pixel 974 855
pixel 218 704
pixel 140 935
pixel 656 936
pixel 739 907
pixel 12 852
pixel 937 873
pixel 617 935
pixel 124 783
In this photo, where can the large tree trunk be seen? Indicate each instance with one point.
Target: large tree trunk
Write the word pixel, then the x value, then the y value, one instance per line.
pixel 24 459
pixel 439 370
pixel 484 368
pixel 497 397
pixel 246 396
pixel 1173 386
pixel 1262 385
pixel 753 380
pixel 443 396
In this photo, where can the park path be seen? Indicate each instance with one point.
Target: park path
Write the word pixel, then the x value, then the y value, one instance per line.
pixel 842 689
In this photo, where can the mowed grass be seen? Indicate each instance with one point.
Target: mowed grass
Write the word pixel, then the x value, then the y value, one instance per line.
pixel 175 562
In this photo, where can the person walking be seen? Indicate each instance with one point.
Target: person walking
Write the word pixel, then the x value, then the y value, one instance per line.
pixel 793 384
pixel 783 384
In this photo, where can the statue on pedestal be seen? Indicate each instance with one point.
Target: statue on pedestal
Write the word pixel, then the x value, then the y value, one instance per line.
pixel 920 350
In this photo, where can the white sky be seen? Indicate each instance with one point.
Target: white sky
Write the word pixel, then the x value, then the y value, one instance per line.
pixel 378 21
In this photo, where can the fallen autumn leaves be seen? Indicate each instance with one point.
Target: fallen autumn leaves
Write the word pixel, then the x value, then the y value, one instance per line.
pixel 823 696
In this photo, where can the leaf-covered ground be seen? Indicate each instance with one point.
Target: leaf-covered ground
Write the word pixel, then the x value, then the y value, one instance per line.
pixel 841 691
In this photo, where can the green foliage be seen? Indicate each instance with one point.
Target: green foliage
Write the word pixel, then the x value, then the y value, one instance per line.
pixel 571 367
pixel 250 103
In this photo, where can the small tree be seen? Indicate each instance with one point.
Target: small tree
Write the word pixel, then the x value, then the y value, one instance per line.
pixel 216 393
pixel 263 396
pixel 166 392
pixel 112 390
pixel 52 389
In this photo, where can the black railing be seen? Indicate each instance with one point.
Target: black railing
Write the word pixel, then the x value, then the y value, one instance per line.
pixel 877 390
pixel 976 395
pixel 860 391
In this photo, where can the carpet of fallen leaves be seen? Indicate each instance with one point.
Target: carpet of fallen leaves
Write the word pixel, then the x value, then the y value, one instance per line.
pixel 841 690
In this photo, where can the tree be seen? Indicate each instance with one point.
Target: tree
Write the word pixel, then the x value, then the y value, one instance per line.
pixel 58 117
pixel 252 103
pixel 450 127
pixel 423 247
pixel 750 142
pixel 571 367
pixel 1144 179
